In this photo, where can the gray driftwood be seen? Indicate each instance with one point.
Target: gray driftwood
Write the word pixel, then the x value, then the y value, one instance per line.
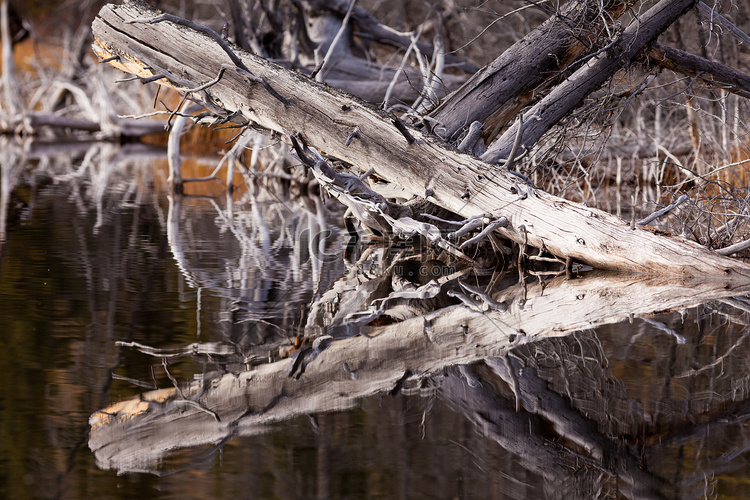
pixel 283 101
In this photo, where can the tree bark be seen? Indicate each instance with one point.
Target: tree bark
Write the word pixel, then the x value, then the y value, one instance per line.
pixel 712 73
pixel 569 94
pixel 495 94
pixel 284 101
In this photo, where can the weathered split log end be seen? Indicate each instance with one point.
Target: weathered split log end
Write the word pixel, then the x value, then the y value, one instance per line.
pixel 189 59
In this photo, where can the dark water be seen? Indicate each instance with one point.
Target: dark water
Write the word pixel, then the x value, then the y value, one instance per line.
pixel 96 270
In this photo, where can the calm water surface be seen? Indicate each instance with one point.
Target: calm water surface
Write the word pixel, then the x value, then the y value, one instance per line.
pixel 97 273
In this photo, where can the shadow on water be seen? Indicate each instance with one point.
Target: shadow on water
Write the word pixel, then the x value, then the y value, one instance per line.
pixel 247 347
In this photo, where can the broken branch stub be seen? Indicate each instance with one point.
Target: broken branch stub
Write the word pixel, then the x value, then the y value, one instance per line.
pixel 456 182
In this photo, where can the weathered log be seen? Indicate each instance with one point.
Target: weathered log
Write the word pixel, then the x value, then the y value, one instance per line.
pixel 569 94
pixel 282 100
pixel 495 94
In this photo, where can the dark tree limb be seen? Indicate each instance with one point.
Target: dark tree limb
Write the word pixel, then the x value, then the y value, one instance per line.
pixel 569 94
pixel 495 94
pixel 712 73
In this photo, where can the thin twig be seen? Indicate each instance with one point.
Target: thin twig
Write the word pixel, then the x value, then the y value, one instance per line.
pixel 737 247
pixel 663 211
pixel 712 16
pixel 392 84
pixel 320 74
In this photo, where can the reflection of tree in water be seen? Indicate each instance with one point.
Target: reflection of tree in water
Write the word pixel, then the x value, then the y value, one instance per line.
pixel 601 411
pixel 258 262
pixel 667 402
pixel 642 408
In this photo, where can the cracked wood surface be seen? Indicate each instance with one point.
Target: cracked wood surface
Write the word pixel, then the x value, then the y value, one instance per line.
pixel 458 182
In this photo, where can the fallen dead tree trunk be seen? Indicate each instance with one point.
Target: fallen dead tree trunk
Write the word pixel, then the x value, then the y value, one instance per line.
pixel 136 39
pixel 713 73
pixel 493 96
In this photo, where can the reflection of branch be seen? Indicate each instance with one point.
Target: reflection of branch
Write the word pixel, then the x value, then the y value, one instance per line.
pixel 183 400
pixel 9 162
pixel 250 265
pixel 568 423
pixel 521 432
pixel 173 230
pixel 195 349
pixel 719 360
pixel 422 346
pixel 716 431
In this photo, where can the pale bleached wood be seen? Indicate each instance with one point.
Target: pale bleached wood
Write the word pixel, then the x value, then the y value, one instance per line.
pixel 11 100
pixel 457 182
pixel 136 434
